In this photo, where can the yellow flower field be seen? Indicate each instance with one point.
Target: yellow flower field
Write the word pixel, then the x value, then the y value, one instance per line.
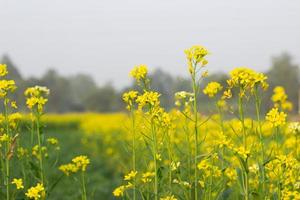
pixel 161 155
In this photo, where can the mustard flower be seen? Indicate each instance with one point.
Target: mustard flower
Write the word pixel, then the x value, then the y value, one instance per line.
pixel 3 70
pixel 36 193
pixel 81 162
pixel 18 183
pixel 168 198
pixel 129 98
pixel 119 191
pixel 68 169
pixel 148 98
pixel 131 175
pixel 36 97
pixel 275 117
pixel 294 128
pixel 147 177
pixel 6 86
pixel 139 72
pixel 212 89
pixel 280 99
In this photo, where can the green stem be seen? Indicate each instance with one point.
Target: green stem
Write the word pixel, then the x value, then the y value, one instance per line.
pixel 195 108
pixel 83 186
pixel 154 159
pixel 242 118
pixel 40 147
pixel 7 164
pixel 133 151
pixel 262 144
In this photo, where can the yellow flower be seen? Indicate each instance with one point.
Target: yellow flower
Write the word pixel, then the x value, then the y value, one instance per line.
pixel 13 104
pixel 68 168
pixel 168 198
pixel 246 79
pixel 36 97
pixel 37 192
pixel 3 70
pixel 212 89
pixel 227 94
pixel 147 177
pixel 18 183
pixel 279 94
pixel 119 191
pixel 231 174
pixel 130 175
pixel 4 138
pixel 81 162
pixel 139 72
pixel 196 54
pixel 148 98
pixel 52 141
pixel 129 98
pixel 275 117
pixel 6 86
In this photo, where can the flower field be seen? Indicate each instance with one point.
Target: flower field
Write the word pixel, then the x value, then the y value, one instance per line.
pixel 150 153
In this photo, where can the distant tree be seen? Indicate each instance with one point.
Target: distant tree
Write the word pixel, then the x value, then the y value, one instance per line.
pixel 103 99
pixel 61 98
pixel 82 86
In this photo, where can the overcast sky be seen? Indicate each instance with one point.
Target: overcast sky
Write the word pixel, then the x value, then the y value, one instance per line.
pixel 106 38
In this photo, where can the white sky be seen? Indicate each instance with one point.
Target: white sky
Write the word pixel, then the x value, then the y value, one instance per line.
pixel 106 38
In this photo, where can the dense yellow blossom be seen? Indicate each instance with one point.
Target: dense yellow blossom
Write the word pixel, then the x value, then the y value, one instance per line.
pixel 275 117
pixel 6 86
pixel 212 89
pixel 37 192
pixel 168 198
pixel 148 99
pixel 68 169
pixel 36 97
pixel 129 98
pixel 280 99
pixel 139 72
pixel 3 70
pixel 81 162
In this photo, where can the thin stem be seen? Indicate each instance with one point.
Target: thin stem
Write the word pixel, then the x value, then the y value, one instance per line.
pixel 195 108
pixel 262 144
pixel 153 133
pixel 7 164
pixel 242 119
pixel 83 186
pixel 40 147
pixel 133 151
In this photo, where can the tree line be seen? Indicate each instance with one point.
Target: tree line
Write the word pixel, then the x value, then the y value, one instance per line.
pixel 80 93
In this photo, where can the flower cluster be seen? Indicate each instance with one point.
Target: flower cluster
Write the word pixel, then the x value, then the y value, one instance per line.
pixel 139 72
pixel 280 99
pixel 79 163
pixel 196 55
pixel 246 79
pixel 212 89
pixel 37 192
pixel 275 117
pixel 36 97
pixel 129 98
